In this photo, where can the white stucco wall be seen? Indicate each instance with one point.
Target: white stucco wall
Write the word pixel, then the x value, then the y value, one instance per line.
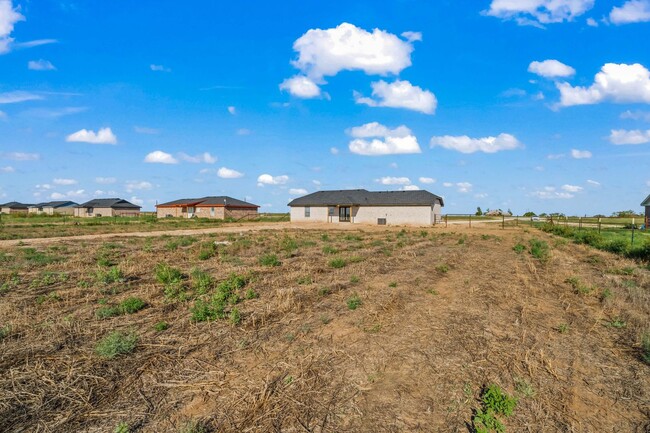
pixel 395 215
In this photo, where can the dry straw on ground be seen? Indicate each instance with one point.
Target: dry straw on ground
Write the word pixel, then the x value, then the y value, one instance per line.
pixel 441 315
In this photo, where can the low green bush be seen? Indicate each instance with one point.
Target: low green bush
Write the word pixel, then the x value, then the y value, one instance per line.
pixel 115 344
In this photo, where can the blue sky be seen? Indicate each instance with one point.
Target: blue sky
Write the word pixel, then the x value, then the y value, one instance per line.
pixel 529 105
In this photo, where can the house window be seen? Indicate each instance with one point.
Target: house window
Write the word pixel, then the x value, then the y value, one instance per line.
pixel 331 211
pixel 90 210
pixel 307 212
pixel 211 211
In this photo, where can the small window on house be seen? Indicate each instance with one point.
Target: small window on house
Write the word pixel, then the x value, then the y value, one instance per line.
pixel 307 211
pixel 331 211
pixel 90 210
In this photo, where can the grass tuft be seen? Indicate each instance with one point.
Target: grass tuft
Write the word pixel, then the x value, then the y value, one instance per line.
pixel 116 344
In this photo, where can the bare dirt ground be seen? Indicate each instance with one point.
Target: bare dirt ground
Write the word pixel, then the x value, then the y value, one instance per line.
pixel 440 314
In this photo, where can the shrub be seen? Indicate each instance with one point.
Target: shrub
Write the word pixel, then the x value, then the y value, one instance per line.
pixel 202 282
pixel 115 344
pixel 288 244
pixel 443 269
pixel 4 332
pixel 498 401
pixel 354 302
pixel 105 312
pixel 337 263
pixel 132 305
pixel 641 252
pixel 519 248
pixel 122 428
pixel 203 311
pixel 328 249
pixel 270 260
pixel 165 274
pixel 235 316
pixel 110 275
pixel 161 326
pixel 251 294
pixel 39 257
pixel 392 284
pixel 539 249
pixel 208 250
pixel 616 246
pixel 354 279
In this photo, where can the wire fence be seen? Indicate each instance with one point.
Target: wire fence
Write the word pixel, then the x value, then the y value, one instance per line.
pixel 631 229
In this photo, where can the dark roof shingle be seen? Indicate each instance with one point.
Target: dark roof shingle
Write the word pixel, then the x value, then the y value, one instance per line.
pixel 115 203
pixel 208 201
pixel 362 197
pixel 646 202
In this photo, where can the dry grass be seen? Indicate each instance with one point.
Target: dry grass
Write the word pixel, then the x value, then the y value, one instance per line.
pixel 413 356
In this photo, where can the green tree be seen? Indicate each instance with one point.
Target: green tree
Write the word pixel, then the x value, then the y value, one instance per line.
pixel 479 212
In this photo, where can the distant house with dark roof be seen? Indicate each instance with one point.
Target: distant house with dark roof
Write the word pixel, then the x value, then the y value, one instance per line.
pixel 368 207
pixel 14 207
pixel 646 203
pixel 54 208
pixel 107 207
pixel 215 207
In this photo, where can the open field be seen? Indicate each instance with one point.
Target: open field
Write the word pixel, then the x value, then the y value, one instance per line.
pixel 28 227
pixel 313 330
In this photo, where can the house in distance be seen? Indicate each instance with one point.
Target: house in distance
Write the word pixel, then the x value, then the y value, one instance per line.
pixel 368 207
pixel 53 208
pixel 107 207
pixel 646 203
pixel 14 207
pixel 214 207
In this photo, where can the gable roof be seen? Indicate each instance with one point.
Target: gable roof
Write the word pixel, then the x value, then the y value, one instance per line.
pixel 221 200
pixel 15 205
pixel 646 202
pixel 55 204
pixel 115 203
pixel 362 197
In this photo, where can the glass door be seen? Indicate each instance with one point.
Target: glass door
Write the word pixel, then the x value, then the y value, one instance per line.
pixel 344 214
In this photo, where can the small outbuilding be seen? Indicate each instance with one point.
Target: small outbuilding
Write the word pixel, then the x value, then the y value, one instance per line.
pixel 213 207
pixel 54 208
pixel 14 207
pixel 107 207
pixel 646 203
pixel 368 207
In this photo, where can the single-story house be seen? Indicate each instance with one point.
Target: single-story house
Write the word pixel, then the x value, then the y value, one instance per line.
pixel 368 207
pixel 219 207
pixel 54 208
pixel 14 207
pixel 646 203
pixel 107 207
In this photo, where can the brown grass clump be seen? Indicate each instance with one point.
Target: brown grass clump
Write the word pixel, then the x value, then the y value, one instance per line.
pixel 404 337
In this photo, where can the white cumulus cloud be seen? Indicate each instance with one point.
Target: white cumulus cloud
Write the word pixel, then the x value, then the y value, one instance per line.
pixel 137 185
pixel 572 188
pixel 159 68
pixel 301 87
pixel 389 180
pixel 465 144
pixel 40 65
pixel 399 94
pixel 632 11
pixel 7 169
pixel 267 179
pixel 538 12
pixel 297 191
pixel 75 194
pixel 62 181
pixel 619 83
pixel 410 188
pixel 551 69
pixel 204 158
pixel 105 180
pixel 229 173
pixel 103 136
pixel 9 16
pixel 427 180
pixel 636 115
pixel 580 154
pixel 160 157
pixel 593 182
pixel 384 141
pixel 636 136
pixel 347 47
pixel 232 110
pixel 550 193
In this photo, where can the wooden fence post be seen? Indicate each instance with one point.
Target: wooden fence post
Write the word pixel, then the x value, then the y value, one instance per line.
pixel 598 225
pixel 470 221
